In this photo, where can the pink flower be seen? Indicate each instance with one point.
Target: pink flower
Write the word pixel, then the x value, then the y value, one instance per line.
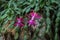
pixel 19 22
pixel 34 16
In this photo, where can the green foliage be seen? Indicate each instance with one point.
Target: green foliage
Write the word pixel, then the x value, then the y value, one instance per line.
pixel 16 36
pixel 49 9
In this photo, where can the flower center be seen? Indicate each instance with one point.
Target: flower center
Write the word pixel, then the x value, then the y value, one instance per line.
pixel 33 16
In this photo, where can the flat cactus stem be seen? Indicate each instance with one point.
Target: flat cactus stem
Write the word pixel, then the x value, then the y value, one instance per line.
pixel 56 25
pixel 48 21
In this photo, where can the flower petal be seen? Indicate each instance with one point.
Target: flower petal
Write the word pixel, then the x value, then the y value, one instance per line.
pixel 31 22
